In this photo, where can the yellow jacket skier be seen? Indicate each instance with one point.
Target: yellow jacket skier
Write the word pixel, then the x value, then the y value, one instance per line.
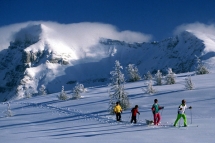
pixel 118 111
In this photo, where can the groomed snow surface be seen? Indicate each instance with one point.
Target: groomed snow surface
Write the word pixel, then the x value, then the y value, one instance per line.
pixel 45 119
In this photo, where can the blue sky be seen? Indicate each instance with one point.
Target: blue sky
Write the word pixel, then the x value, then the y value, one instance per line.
pixel 156 17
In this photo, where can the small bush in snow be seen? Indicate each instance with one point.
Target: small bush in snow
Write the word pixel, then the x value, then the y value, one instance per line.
pixel 42 90
pixel 77 90
pixel 170 77
pixel 148 76
pixel 63 95
pixel 149 89
pixel 201 69
pixel 28 95
pixel 188 83
pixel 117 86
pixel 8 112
pixel 133 73
pixel 158 78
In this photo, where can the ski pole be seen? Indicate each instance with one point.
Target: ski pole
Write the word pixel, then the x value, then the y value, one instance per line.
pixel 162 111
pixel 191 116
pixel 129 119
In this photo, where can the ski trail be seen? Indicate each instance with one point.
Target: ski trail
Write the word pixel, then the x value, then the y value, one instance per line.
pixel 80 114
pixel 108 119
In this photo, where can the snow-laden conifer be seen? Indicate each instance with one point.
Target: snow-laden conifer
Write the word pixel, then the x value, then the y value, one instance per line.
pixel 8 112
pixel 28 94
pixel 133 73
pixel 201 68
pixel 148 76
pixel 112 102
pixel 77 90
pixel 63 95
pixel 149 89
pixel 170 77
pixel 42 90
pixel 158 78
pixel 117 87
pixel 188 83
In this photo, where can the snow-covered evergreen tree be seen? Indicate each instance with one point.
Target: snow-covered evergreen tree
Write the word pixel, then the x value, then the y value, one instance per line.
pixel 201 69
pixel 188 83
pixel 63 95
pixel 8 112
pixel 28 94
pixel 112 102
pixel 170 77
pixel 42 90
pixel 158 78
pixel 133 73
pixel 148 76
pixel 149 89
pixel 77 90
pixel 117 87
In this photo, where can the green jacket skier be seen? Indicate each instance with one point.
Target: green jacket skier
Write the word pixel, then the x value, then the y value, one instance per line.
pixel 155 110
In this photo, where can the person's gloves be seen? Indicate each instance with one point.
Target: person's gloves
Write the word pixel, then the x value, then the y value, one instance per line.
pixel 180 108
pixel 139 113
pixel 190 107
pixel 162 107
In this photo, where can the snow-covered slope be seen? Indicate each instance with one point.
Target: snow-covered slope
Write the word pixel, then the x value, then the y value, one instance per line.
pixel 49 120
pixel 42 54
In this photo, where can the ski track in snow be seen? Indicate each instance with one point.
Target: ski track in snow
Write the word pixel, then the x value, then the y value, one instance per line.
pixel 82 115
pixel 101 119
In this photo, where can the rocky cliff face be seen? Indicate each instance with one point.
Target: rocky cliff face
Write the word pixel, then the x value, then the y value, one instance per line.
pixel 30 61
pixel 12 66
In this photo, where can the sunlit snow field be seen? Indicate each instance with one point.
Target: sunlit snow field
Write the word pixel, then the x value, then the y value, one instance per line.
pixel 46 119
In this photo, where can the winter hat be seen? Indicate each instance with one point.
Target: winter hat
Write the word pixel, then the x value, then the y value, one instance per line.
pixel 183 101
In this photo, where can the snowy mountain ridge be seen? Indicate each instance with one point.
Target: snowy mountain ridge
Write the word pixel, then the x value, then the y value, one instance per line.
pixel 37 56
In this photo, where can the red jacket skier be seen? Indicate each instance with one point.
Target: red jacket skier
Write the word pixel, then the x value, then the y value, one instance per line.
pixel 134 114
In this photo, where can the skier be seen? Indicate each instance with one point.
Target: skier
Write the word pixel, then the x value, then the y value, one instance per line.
pixel 118 111
pixel 181 113
pixel 155 110
pixel 134 112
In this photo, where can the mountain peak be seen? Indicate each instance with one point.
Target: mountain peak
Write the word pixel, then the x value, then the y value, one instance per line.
pixel 47 54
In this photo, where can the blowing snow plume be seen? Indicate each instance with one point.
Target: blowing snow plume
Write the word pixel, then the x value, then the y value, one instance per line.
pixel 75 34
pixel 201 31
